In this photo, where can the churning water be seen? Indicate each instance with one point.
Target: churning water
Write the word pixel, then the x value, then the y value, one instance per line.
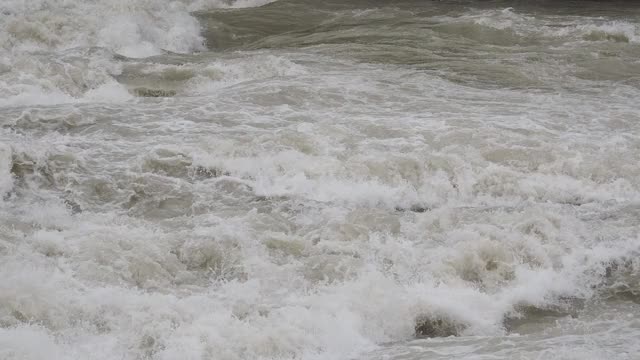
pixel 307 179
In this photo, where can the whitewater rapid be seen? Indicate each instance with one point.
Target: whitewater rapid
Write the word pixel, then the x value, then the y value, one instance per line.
pixel 305 180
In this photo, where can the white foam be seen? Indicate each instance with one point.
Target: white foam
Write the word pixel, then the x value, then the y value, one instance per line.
pixel 617 30
pixel 6 181
pixel 572 32
pixel 109 92
pixel 236 4
pixel 135 29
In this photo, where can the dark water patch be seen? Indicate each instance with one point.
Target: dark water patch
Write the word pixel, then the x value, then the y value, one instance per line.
pixel 23 167
pixel 435 326
pixel 220 259
pixel 304 23
pixel 529 318
pixel 202 173
pixel 152 196
pixel 621 280
pixel 170 163
pixel 233 29
pixel 619 267
pixel 623 292
pixel 603 35
pixel 167 162
pixel 73 206
pixel 147 92
pixel 433 36
pixel 483 34
pixel 413 208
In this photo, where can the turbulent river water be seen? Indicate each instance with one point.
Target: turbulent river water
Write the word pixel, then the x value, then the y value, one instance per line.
pixel 309 179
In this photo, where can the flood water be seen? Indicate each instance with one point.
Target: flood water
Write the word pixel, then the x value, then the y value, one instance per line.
pixel 363 179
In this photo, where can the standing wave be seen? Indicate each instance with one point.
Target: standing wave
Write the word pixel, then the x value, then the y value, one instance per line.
pixel 56 51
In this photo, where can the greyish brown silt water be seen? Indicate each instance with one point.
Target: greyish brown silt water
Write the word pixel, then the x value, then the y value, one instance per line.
pixel 209 179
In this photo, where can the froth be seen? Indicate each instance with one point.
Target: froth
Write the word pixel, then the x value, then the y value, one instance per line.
pixel 135 29
pixel 6 181
pixel 528 28
pixel 39 36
